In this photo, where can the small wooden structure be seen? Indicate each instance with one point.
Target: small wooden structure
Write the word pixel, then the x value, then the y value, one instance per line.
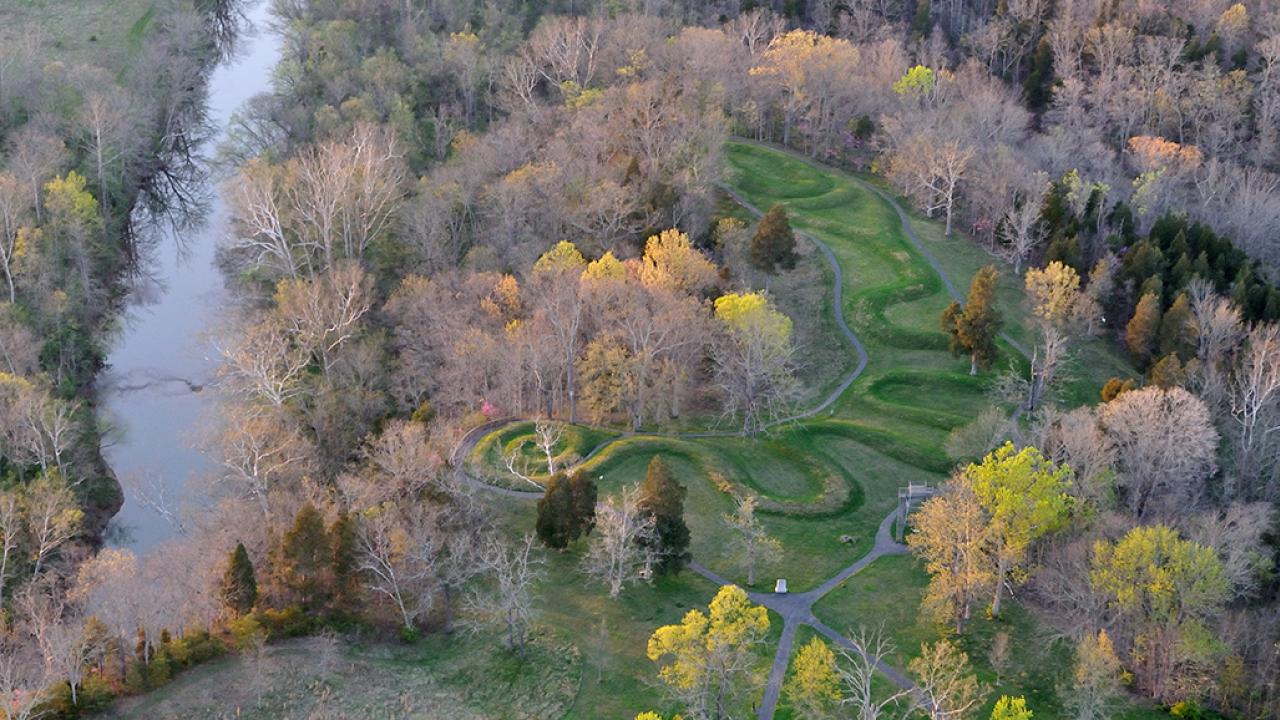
pixel 907 497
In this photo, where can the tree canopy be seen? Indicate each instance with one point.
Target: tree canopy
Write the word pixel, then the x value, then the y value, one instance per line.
pixel 712 660
pixel 774 244
pixel 662 497
pixel 973 327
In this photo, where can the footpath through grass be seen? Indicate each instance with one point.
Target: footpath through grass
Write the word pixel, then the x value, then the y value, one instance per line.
pixel 826 478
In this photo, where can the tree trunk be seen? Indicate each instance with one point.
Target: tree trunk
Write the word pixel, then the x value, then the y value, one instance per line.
pixel 511 633
pixel 448 610
pixel 973 365
pixel 571 378
pixel 1001 570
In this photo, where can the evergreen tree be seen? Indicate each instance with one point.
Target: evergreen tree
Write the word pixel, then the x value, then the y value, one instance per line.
pixel 1177 336
pixel 1116 387
pixel 1039 84
pixel 973 328
pixel 583 494
pixel 346 582
pixel 1168 373
pixel 663 498
pixel 239 587
pixel 1143 330
pixel 774 245
pixel 306 560
pixel 567 510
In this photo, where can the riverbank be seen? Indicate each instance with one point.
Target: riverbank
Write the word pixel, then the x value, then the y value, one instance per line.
pixel 102 106
pixel 164 361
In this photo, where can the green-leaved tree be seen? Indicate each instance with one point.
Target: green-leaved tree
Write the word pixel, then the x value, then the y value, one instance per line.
pixel 1011 708
pixel 1024 496
pixel 712 662
pixel 1164 589
pixel 814 686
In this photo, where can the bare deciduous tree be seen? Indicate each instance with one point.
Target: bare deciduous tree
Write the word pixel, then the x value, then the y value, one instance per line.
pixel 514 568
pixel 948 688
pixel 929 169
pixel 1165 446
pixel 1024 229
pixel 751 537
pixel 621 549
pixel 1235 532
pixel 396 548
pixel 322 314
pixel 261 453
pixel 859 675
pixel 53 517
pixel 1254 395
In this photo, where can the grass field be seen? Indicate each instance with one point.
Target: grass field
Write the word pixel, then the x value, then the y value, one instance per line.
pixel 488 458
pixel 820 479
pixel 838 474
pixel 461 676
pixel 93 32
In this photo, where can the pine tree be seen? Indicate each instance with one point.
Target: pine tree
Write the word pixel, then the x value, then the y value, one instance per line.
pixel 306 560
pixel 973 327
pixel 1039 84
pixel 1176 332
pixel 1168 373
pixel 583 494
pixel 239 587
pixel 663 497
pixel 342 549
pixel 1143 330
pixel 567 510
pixel 774 245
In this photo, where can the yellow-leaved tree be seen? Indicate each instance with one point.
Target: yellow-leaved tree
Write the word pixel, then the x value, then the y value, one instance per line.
pixel 1024 496
pixel 754 363
pixel 814 685
pixel 712 664
pixel 1164 590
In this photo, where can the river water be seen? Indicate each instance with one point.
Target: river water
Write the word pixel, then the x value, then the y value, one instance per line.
pixel 156 396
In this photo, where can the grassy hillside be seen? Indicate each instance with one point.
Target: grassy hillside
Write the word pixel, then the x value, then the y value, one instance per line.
pixel 95 32
pixel 820 479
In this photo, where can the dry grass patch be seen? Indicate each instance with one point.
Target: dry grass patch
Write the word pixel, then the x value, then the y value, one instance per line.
pixel 459 676
pixel 76 32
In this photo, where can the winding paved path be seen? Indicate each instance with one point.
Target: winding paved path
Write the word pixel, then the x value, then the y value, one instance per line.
pixel 902 217
pixel 796 609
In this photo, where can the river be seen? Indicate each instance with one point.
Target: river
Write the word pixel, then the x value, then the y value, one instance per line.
pixel 155 397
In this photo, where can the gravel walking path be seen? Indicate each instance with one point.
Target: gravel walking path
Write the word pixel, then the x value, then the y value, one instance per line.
pixel 796 609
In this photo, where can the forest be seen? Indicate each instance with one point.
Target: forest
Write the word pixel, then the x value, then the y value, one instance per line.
pixel 481 253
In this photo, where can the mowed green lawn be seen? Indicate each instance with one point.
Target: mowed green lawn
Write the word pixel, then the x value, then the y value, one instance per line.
pixel 588 658
pixel 885 432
